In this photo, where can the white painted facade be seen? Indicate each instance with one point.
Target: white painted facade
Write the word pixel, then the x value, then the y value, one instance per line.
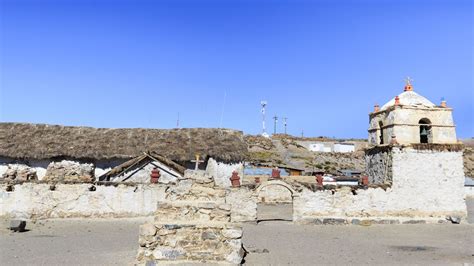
pixel 344 147
pixel 221 172
pixel 331 147
pixel 426 184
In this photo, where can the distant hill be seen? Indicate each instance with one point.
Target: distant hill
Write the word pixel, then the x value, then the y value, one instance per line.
pixel 287 150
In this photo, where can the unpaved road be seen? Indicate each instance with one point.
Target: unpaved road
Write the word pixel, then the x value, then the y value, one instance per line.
pixel 114 242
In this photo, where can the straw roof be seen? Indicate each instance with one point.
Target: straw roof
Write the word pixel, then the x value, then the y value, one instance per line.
pixel 40 141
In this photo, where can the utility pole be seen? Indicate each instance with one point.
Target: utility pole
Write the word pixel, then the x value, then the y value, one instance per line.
pixel 275 120
pixel 302 133
pixel 284 123
pixel 263 104
pixel 177 121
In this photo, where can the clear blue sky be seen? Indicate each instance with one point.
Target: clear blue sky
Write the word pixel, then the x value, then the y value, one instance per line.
pixel 322 64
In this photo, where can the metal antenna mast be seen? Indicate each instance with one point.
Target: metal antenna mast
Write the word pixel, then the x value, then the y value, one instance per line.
pixel 264 131
pixel 284 123
pixel 275 120
pixel 177 121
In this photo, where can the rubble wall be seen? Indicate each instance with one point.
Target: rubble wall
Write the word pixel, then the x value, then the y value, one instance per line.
pixel 192 225
pixel 38 201
pixel 190 243
pixel 379 166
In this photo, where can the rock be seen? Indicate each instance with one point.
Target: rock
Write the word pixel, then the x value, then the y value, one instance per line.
pixel 232 233
pixel 454 220
pixel 147 229
pixel 150 263
pixel 414 222
pixel 20 172
pixel 334 221
pixel 207 205
pixel 66 170
pixel 171 226
pixel 236 257
pixel 208 235
pixel 168 254
pixel 17 225
pixel 225 207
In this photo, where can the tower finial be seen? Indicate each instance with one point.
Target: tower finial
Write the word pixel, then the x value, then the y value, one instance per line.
pixel 408 86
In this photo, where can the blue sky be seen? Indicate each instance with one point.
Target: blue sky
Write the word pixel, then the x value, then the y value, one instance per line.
pixel 322 64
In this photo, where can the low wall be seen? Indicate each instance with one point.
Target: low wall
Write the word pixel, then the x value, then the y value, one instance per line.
pixel 373 203
pixel 190 243
pixel 38 201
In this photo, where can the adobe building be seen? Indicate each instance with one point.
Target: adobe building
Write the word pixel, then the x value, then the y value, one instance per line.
pixel 65 153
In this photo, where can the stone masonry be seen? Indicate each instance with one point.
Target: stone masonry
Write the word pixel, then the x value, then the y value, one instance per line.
pixel 193 224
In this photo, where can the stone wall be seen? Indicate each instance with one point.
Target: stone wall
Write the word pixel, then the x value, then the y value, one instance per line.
pixel 427 184
pixel 223 171
pixel 38 166
pixel 378 163
pixel 275 194
pixel 42 201
pixel 67 170
pixel 192 224
pixel 189 243
pixel 243 202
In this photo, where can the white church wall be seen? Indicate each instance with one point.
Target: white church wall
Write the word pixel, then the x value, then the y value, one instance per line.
pixel 426 185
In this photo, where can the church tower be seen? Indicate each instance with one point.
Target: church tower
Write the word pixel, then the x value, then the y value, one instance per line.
pixel 414 151
pixel 411 118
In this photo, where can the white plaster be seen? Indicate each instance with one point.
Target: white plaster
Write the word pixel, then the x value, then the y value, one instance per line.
pixel 30 200
pixel 223 171
pixel 426 184
pixel 409 98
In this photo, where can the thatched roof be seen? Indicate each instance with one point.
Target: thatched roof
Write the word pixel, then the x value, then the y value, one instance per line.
pixel 39 141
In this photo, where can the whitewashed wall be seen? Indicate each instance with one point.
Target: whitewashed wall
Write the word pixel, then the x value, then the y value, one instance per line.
pixel 223 171
pixel 30 200
pixel 426 184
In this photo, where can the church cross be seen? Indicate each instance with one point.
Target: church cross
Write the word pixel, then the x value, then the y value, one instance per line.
pixel 197 161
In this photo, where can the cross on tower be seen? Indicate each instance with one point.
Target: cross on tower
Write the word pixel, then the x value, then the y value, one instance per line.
pixel 197 161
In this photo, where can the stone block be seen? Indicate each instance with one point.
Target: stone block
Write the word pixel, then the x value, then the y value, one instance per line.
pixel 17 225
pixel 334 221
pixel 209 235
pixel 168 254
pixel 415 222
pixel 232 233
pixel 171 226
pixel 147 229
